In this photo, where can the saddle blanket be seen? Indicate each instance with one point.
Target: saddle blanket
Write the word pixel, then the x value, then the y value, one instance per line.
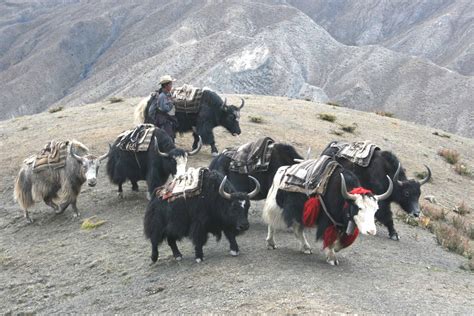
pixel 251 157
pixel 52 156
pixel 184 186
pixel 310 176
pixel 136 139
pixel 359 153
pixel 187 99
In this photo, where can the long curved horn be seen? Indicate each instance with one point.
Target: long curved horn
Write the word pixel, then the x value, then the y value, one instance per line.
pixel 195 151
pixel 397 173
pixel 222 192
pixel 105 155
pixel 387 194
pixel 158 148
pixel 254 193
pixel 346 195
pixel 241 104
pixel 428 177
pixel 308 153
pixel 224 104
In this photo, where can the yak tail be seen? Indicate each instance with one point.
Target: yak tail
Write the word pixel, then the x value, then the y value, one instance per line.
pixel 139 113
pixel 22 192
pixel 111 162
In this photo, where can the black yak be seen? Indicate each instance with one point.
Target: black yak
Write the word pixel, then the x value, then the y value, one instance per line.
pixel 218 208
pixel 155 165
pixel 213 112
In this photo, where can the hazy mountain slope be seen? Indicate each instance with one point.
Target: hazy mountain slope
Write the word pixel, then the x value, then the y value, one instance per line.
pixel 441 30
pixel 83 52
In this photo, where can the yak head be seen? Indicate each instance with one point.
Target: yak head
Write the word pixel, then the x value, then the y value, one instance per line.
pixel 236 214
pixel 89 163
pixel 230 116
pixel 175 161
pixel 362 206
pixel 408 192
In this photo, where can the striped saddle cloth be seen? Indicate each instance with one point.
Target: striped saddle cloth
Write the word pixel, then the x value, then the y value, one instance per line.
pixel 309 177
pixel 359 153
pixel 251 157
pixel 187 99
pixel 52 156
pixel 136 139
pixel 184 186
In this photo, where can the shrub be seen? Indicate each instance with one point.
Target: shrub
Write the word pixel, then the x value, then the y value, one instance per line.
pixel 327 117
pixel 256 119
pixel 462 209
pixel 434 212
pixel 451 156
pixel 450 238
pixel 115 99
pixel 386 114
pixel 349 128
pixel 441 135
pixel 421 175
pixel 55 109
pixel 462 169
pixel 335 132
pixel 333 103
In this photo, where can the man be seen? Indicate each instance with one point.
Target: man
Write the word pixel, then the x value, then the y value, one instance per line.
pixel 162 107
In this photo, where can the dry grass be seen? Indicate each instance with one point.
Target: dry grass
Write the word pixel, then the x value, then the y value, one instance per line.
pixel 421 175
pixel 433 211
pixel 55 109
pixel 333 103
pixel 256 119
pixel 451 156
pixel 327 117
pixel 441 135
pixel 450 238
pixel 92 223
pixel 462 209
pixel 349 128
pixel 115 99
pixel 386 114
pixel 462 169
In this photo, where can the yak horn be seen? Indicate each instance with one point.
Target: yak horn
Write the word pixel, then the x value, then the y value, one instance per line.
pixel 346 195
pixel 308 153
pixel 254 193
pixel 428 177
pixel 397 173
pixel 222 192
pixel 106 155
pixel 241 104
pixel 224 103
pixel 195 151
pixel 77 157
pixel 387 194
pixel 158 148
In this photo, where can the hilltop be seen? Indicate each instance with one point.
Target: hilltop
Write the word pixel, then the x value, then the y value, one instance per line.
pixel 52 266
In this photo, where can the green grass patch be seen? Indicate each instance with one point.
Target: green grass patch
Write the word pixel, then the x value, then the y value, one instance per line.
pixel 327 117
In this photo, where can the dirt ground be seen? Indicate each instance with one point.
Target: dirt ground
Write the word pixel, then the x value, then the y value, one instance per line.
pixel 53 266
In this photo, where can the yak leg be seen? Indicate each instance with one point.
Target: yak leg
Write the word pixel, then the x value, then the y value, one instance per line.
pixel 154 251
pixel 120 191
pixel 299 234
pixel 270 238
pixel 384 215
pixel 214 151
pixel 74 208
pixel 196 140
pixel 49 201
pixel 331 255
pixel 63 207
pixel 234 248
pixel 26 214
pixel 134 185
pixel 199 237
pixel 176 253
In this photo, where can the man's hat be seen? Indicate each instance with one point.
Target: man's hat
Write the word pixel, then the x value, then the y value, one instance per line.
pixel 165 79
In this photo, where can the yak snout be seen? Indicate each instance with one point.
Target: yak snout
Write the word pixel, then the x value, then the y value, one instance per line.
pixel 241 227
pixel 92 182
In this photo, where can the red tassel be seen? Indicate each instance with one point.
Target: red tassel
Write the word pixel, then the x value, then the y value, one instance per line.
pixel 347 240
pixel 311 211
pixel 330 236
pixel 360 190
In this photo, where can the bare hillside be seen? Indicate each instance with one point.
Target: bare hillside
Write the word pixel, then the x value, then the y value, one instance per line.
pixel 75 52
pixel 53 266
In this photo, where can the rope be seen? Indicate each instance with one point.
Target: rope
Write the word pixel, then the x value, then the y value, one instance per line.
pixel 327 213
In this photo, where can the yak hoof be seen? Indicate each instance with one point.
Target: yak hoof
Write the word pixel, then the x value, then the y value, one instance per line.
pixel 199 260
pixel 28 220
pixel 214 154
pixel 394 236
pixel 306 251
pixel 333 262
pixel 271 246
pixel 120 195
pixel 76 215
pixel 234 253
pixel 178 258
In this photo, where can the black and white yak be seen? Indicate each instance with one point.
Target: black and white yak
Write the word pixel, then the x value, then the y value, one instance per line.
pixel 58 188
pixel 406 192
pixel 213 112
pixel 346 203
pixel 218 208
pixel 156 165
pixel 282 155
